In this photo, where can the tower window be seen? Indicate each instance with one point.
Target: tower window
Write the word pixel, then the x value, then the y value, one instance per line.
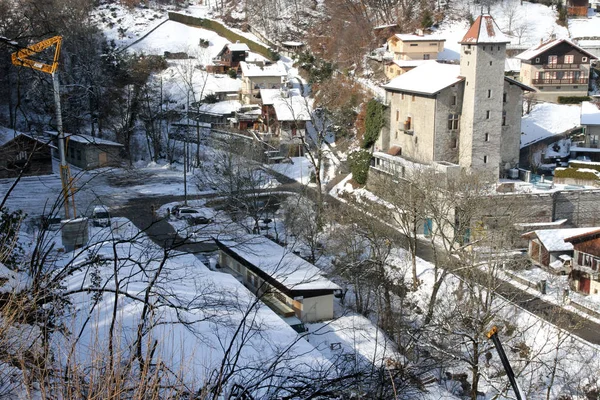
pixel 490 63
pixel 489 93
pixel 487 137
pixel 504 97
pixel 487 114
pixel 483 48
pixel 413 97
pixel 498 47
pixel 503 118
pixel 397 115
pixel 485 158
pixel 402 96
pixel 453 122
pixel 453 100
pixel 454 143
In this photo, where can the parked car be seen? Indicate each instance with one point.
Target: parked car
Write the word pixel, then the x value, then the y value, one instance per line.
pixel 101 216
pixel 193 215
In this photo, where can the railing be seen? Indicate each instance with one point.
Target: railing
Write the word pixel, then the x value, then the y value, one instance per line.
pixel 561 66
pixel 568 81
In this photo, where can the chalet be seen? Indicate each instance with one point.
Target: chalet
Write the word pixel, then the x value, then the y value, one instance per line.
pixel 467 115
pixel 410 51
pixel 229 57
pixel 89 152
pixel 548 249
pixel 585 274
pixel 260 76
pixel 556 67
pixel 287 283
pixel 285 115
pixel 577 8
pixel 25 155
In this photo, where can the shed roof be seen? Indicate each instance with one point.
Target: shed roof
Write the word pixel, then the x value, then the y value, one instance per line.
pixel 484 30
pixel 417 38
pixel 555 239
pixel 427 79
pixel 590 113
pixel 86 139
pixel 255 70
pixel 291 271
pixel 238 47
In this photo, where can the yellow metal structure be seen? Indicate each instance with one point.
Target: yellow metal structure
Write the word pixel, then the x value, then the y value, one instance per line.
pixel 22 58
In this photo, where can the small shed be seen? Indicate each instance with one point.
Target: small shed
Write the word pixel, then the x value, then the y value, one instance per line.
pixel 288 284
pixel 25 155
pixel 585 276
pixel 89 152
pixel 291 48
pixel 546 246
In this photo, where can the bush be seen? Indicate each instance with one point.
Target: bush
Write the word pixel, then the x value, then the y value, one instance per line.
pixel 273 55
pixel 426 20
pixel 232 73
pixel 210 98
pixel 575 174
pixel 575 164
pixel 359 165
pixel 572 99
pixel 374 121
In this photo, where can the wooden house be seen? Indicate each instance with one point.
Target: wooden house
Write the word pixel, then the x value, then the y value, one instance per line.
pixel 25 155
pixel 556 67
pixel 585 274
pixel 229 57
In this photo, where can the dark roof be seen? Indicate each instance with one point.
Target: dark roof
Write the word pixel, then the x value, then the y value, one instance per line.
pixel 484 30
pixel 519 84
pixel 584 236
pixel 41 140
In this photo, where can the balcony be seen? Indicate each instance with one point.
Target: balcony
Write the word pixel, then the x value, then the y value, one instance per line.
pixel 561 66
pixel 568 81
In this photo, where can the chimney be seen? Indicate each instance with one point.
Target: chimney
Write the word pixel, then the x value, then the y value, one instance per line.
pixel 553 36
pixel 419 32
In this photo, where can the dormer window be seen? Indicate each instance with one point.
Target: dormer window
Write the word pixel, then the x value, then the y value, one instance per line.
pixel 552 60
pixel 584 59
pixel 537 59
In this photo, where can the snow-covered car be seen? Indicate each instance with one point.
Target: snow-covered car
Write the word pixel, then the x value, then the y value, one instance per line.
pixel 194 215
pixel 101 216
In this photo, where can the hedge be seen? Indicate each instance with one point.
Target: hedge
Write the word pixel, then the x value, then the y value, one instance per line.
pixel 575 164
pixel 359 165
pixel 222 30
pixel 575 174
pixel 374 121
pixel 572 99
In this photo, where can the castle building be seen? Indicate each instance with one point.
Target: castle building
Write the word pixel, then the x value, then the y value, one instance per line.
pixel 467 114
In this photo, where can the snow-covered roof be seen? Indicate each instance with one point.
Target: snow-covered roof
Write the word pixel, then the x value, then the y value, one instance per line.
pixel 512 65
pixel 417 38
pixel 542 47
pixel 554 239
pixel 590 113
pixel 86 139
pixel 291 271
pixel 547 119
pixel 255 70
pixel 294 107
pixel 411 63
pixel 484 30
pixel 6 135
pixel 238 47
pixel 428 78
pixel 221 108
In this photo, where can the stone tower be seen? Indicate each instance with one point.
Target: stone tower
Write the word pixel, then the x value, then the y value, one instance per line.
pixel 482 55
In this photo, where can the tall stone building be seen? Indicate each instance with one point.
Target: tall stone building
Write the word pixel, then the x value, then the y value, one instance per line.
pixel 468 115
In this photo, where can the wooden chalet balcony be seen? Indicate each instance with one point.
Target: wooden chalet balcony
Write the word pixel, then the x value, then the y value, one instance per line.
pixel 568 81
pixel 561 66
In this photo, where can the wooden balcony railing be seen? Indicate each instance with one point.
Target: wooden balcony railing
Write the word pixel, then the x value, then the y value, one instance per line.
pixel 561 66
pixel 568 81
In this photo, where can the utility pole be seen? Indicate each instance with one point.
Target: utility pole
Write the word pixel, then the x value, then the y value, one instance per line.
pixel 21 59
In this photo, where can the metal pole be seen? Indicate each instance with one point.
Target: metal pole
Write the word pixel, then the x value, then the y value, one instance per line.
pixel 185 150
pixel 64 167
pixel 493 335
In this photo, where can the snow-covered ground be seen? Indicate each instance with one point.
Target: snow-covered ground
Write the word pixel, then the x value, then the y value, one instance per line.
pixel 546 120
pixel 526 24
pixel 585 27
